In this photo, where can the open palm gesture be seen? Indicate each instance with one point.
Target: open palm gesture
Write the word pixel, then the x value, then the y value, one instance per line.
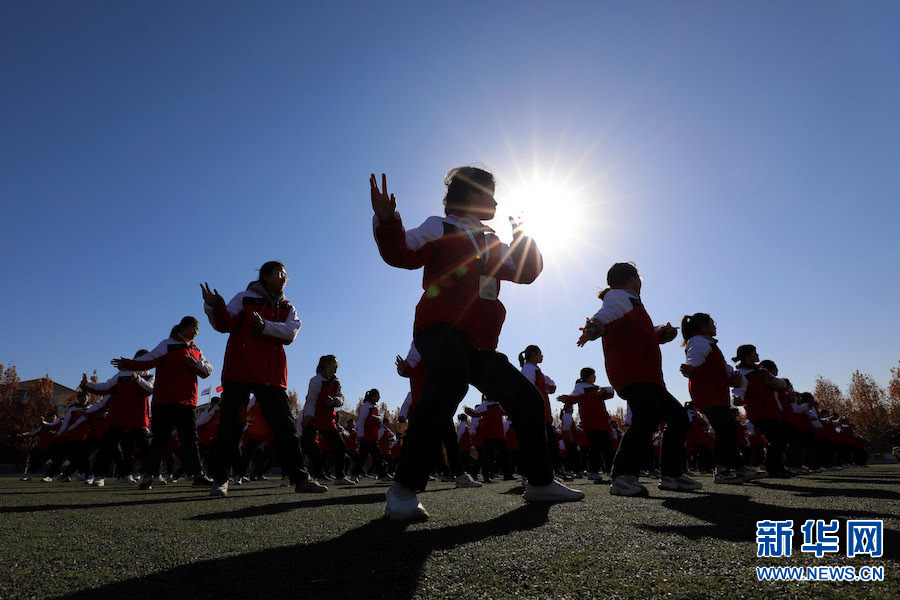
pixel 383 204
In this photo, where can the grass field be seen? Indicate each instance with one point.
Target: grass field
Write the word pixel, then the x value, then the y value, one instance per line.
pixel 75 541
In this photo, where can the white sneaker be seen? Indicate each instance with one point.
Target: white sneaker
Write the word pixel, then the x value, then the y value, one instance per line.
pixel 465 481
pixel 89 480
pixel 727 477
pixel 129 479
pixel 159 480
pixel 47 479
pixel 310 486
pixel 682 483
pixel 552 492
pixel 401 504
pixel 26 478
pixel 627 485
pixel 99 482
pixel 344 481
pixel 219 491
pixel 749 474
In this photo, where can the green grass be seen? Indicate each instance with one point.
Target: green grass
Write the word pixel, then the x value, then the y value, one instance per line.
pixel 71 540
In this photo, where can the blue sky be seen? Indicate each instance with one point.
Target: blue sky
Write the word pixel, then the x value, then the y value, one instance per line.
pixel 743 155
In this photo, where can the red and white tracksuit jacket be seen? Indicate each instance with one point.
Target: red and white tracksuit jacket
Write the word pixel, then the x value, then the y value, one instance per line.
pixel 369 422
pixel 708 383
pixel 178 364
pixel 464 263
pixel 129 398
pixel 544 384
pixel 630 342
pixel 252 357
pixel 323 396
pixel 592 405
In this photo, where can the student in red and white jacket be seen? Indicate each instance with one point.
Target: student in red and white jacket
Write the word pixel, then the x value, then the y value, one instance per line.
pixel 457 326
pixel 759 397
pixel 40 453
pixel 529 359
pixel 259 322
pixel 368 424
pixel 709 381
pixel 322 398
pixel 128 416
pixel 634 366
pixel 178 362
pixel 591 400
pixel 493 437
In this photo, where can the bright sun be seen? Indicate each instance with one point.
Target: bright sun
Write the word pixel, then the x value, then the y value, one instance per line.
pixel 550 210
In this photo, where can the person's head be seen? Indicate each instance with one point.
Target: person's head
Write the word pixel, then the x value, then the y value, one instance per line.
pixel 273 276
pixel 328 365
pixel 141 352
pixel 568 408
pixel 215 400
pixel 530 354
pixel 470 191
pixel 372 396
pixel 187 329
pixel 697 324
pixel 746 355
pixel 624 275
pixel 613 423
pixel 587 375
pixel 462 417
pixel 769 366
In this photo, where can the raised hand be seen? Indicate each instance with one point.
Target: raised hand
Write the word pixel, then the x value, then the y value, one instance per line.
pixel 383 204
pixel 403 367
pixel 210 297
pixel 517 226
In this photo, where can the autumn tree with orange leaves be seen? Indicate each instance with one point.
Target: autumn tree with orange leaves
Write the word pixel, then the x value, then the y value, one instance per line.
pixel 873 411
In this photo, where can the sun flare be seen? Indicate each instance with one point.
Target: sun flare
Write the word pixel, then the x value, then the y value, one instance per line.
pixel 550 211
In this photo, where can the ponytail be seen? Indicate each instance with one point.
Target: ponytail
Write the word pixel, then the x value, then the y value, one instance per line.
pixel 527 353
pixel 185 322
pixel 691 324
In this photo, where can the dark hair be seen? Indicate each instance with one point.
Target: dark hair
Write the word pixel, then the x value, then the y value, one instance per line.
pixel 462 417
pixel 141 352
pixel 185 322
pixel 768 365
pixel 270 267
pixel 370 394
pixel 323 360
pixel 613 423
pixel 585 373
pixel 743 352
pixel 691 324
pixel 527 353
pixel 462 180
pixel 618 275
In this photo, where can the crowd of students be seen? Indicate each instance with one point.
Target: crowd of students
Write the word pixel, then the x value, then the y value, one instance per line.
pixel 457 324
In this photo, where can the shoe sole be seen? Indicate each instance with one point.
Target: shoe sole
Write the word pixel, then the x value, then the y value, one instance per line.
pixel 641 494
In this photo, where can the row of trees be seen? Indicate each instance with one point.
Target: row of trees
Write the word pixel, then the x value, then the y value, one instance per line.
pixel 17 417
pixel 873 410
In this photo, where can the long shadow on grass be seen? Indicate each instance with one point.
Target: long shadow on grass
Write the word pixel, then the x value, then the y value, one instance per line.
pixel 733 518
pixel 91 506
pixel 381 559
pixel 821 492
pixel 281 507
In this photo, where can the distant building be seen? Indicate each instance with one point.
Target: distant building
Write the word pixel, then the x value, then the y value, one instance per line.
pixel 62 395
